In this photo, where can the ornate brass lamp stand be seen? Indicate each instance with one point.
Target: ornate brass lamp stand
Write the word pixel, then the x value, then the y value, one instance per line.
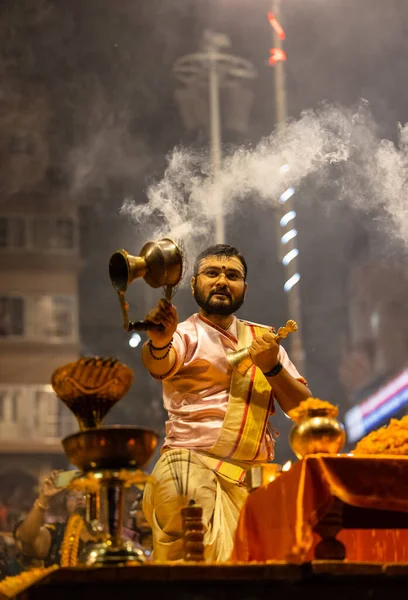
pixel 109 458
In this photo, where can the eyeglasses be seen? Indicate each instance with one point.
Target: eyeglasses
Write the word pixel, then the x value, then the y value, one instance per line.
pixel 213 273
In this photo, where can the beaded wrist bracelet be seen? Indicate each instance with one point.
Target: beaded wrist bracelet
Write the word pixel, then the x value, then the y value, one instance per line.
pixel 151 348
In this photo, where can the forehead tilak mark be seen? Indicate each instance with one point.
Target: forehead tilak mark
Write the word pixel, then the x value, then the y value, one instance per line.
pixel 223 258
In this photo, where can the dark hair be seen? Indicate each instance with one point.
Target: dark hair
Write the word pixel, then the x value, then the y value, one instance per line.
pixel 220 250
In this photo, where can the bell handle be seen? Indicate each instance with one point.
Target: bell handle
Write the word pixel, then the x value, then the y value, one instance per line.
pixel 283 332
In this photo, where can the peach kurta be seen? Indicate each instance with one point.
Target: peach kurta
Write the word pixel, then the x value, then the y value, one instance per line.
pixel 196 391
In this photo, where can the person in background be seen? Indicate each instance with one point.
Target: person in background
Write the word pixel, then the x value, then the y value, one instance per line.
pixel 39 541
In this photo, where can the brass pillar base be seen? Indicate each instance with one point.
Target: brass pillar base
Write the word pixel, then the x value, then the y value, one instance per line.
pixel 104 554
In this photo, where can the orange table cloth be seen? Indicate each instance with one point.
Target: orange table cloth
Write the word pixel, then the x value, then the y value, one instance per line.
pixel 277 520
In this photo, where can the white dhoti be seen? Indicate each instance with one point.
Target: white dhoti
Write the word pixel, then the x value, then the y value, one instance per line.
pixel 166 494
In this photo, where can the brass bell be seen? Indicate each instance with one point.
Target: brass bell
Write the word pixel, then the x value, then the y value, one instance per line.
pixel 241 360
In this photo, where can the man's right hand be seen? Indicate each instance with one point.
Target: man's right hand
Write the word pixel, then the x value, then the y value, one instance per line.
pixel 164 314
pixel 49 487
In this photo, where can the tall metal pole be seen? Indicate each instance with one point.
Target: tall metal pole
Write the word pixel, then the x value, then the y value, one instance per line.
pixel 215 128
pixel 216 69
pixel 286 213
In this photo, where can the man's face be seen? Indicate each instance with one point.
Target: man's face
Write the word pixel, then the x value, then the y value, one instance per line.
pixel 219 287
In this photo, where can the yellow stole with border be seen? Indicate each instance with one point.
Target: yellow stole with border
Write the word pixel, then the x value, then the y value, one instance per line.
pixel 249 406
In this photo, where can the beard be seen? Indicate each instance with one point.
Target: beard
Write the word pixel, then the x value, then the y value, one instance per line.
pixel 223 309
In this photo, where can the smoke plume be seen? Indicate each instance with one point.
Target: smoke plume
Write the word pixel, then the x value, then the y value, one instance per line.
pixel 338 146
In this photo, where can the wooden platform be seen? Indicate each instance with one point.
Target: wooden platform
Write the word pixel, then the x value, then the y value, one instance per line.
pixel 320 579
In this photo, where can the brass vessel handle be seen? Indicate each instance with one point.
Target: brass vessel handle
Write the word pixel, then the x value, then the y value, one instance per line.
pixel 141 325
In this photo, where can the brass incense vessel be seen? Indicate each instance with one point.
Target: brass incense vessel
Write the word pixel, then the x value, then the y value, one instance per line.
pixel 159 263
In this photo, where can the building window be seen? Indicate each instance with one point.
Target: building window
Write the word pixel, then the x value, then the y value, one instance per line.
pixel 14 397
pixel 13 233
pixel 53 234
pixel 53 317
pixel 39 318
pixel 65 233
pixel 46 421
pixel 37 409
pixel 40 234
pixel 11 316
pixel 9 401
pixel 33 412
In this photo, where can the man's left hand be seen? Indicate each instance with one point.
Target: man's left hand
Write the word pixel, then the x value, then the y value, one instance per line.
pixel 264 351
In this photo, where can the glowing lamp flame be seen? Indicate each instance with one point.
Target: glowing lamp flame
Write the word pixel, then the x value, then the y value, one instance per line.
pixel 287 465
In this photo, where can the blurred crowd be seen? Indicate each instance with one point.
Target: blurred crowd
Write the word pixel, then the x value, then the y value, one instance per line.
pixel 17 494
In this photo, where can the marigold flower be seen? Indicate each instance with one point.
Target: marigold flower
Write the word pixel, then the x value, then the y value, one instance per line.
pixel 390 439
pixel 307 407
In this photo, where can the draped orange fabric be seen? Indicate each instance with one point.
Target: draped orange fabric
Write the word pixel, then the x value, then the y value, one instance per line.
pixel 277 520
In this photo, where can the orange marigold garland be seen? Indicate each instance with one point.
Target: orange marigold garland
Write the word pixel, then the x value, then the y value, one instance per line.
pixel 14 584
pixel 391 439
pixel 307 407
pixel 70 543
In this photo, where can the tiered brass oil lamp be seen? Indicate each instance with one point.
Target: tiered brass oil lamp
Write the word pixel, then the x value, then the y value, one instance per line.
pixel 109 458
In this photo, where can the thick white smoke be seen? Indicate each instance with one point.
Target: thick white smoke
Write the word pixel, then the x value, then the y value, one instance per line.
pixel 372 174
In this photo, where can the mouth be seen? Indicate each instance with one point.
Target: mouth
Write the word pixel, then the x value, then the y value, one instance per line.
pixel 221 294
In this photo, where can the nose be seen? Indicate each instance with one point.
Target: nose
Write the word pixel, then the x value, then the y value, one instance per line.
pixel 222 274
